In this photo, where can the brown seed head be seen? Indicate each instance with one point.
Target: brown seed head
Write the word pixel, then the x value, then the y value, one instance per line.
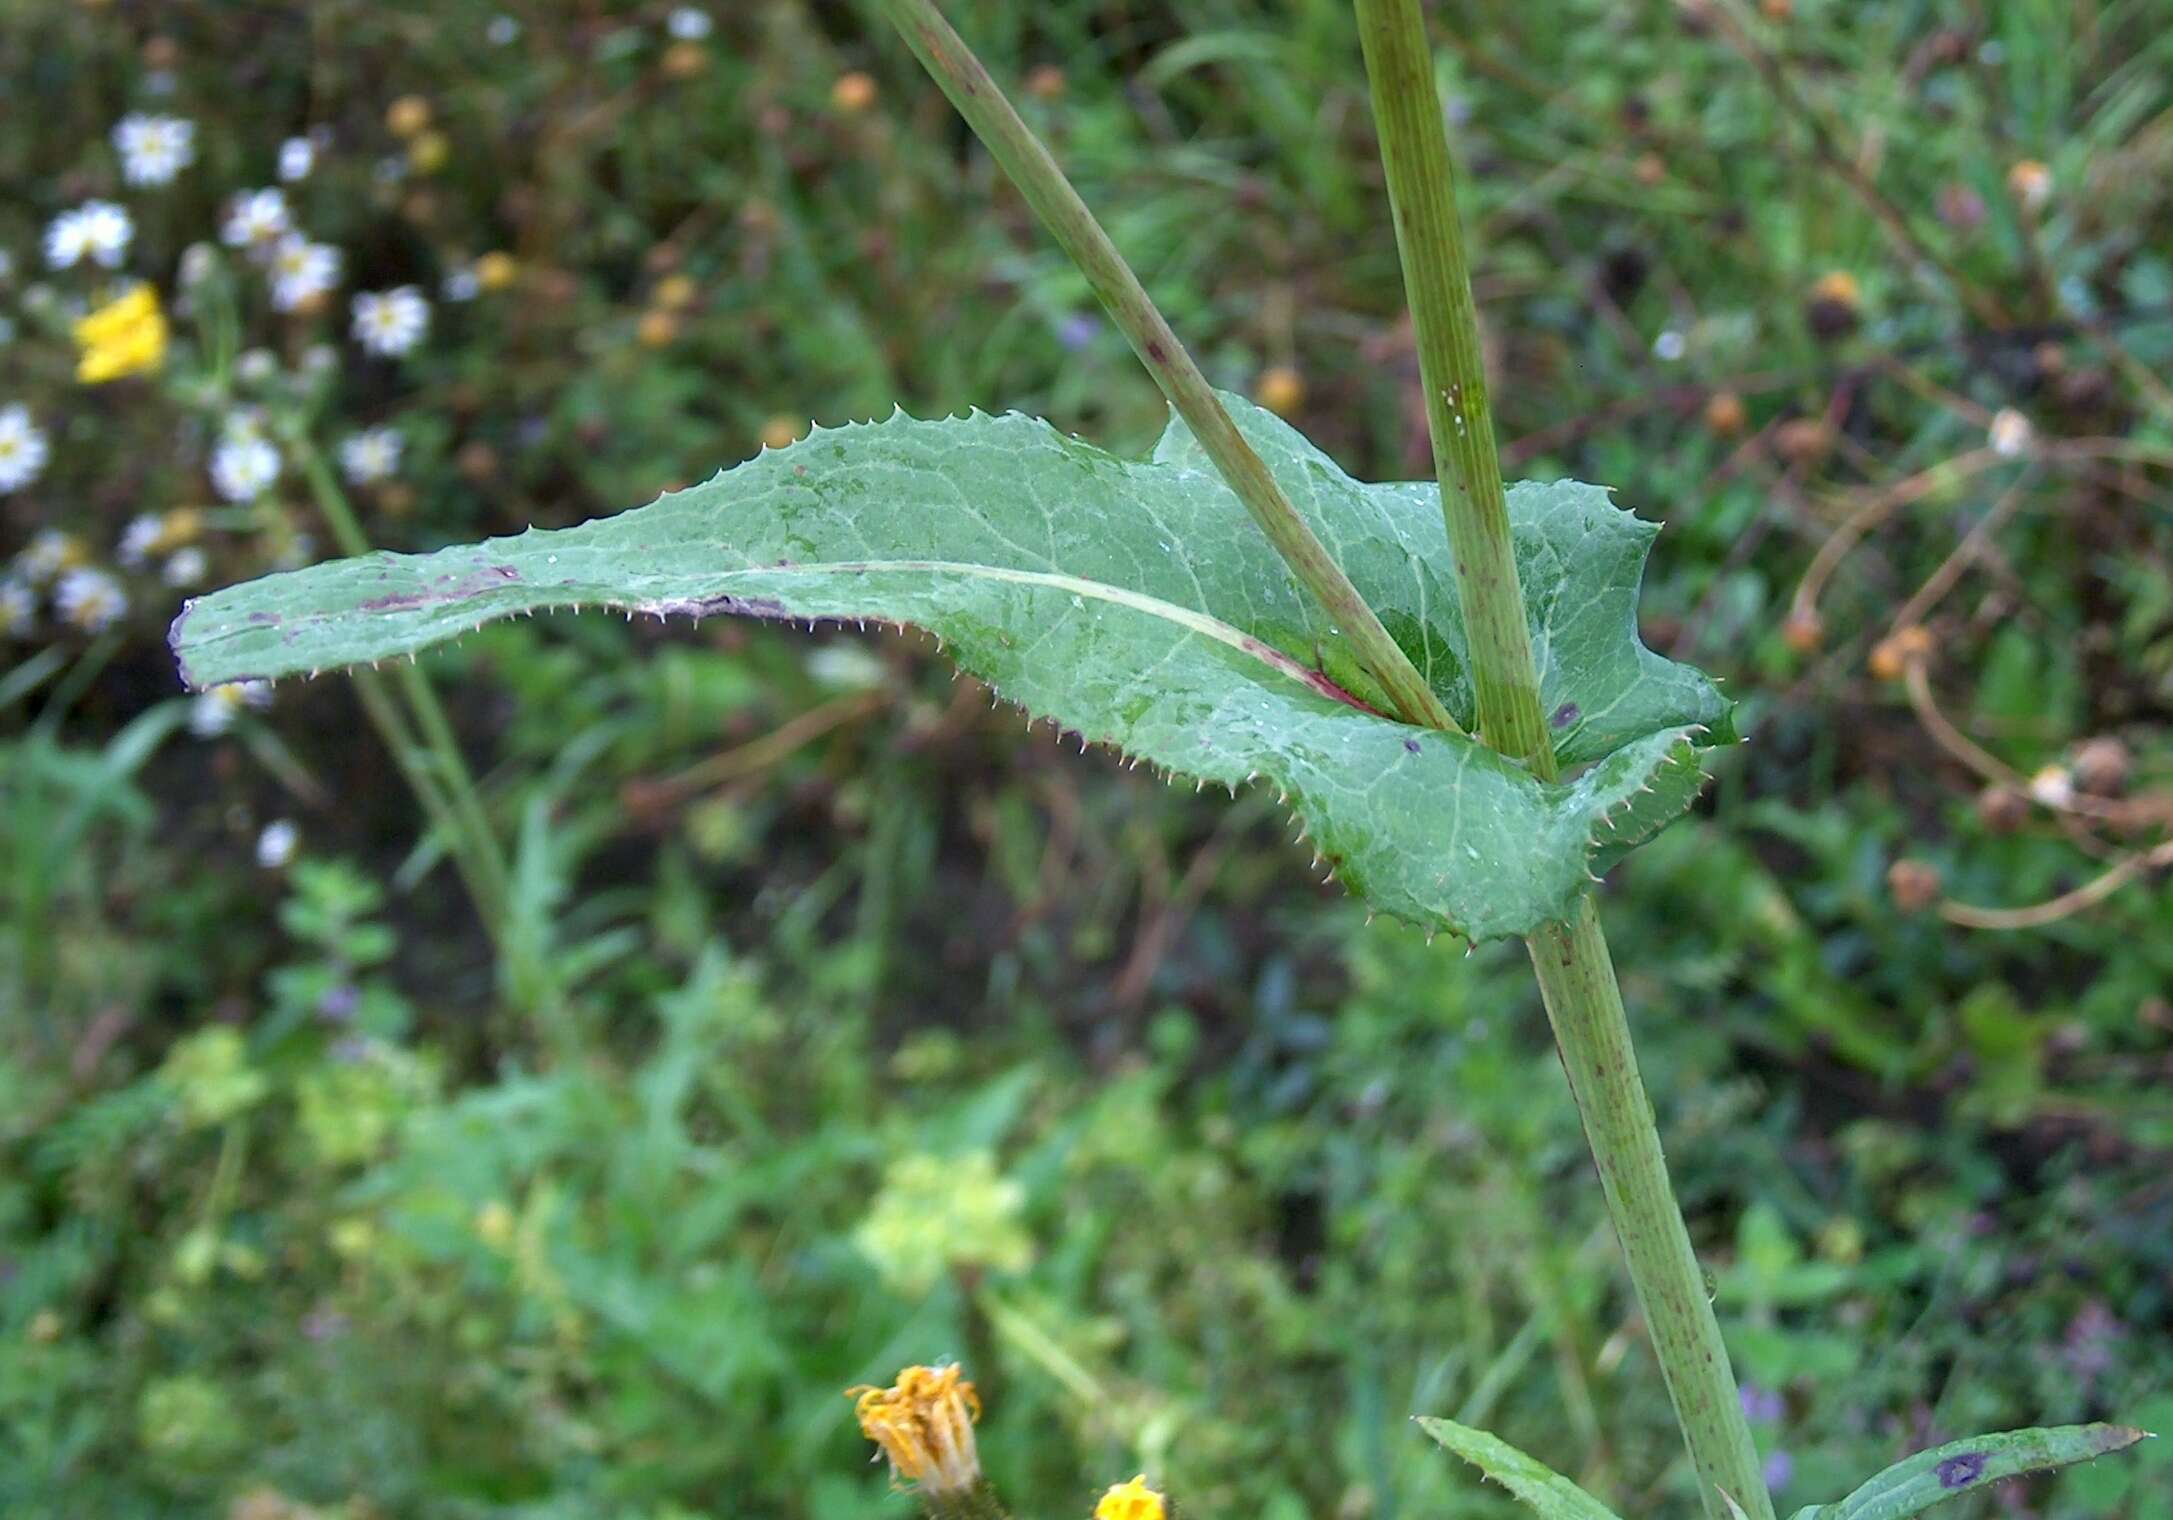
pixel 684 60
pixel 407 116
pixel 853 93
pixel 1725 413
pixel 1913 884
pixel 2101 765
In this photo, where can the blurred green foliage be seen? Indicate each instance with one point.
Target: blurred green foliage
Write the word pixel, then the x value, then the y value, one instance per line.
pixel 840 1024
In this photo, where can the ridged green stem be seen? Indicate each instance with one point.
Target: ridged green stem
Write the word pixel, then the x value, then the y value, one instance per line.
pixel 1430 242
pixel 1029 166
pixel 1576 975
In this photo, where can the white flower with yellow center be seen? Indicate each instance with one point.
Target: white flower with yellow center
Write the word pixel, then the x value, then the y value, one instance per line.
pixel 689 23
pixel 90 599
pixel 370 457
pixel 214 712
pixel 390 322
pixel 256 220
pixel 244 466
pixel 97 231
pixel 301 271
pixel 23 448
pixel 154 149
pixel 186 568
pixel 48 553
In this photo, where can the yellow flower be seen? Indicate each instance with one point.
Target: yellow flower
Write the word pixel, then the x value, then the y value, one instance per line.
pixel 924 1425
pixel 123 337
pixel 1131 1501
pixel 496 271
pixel 1281 389
pixel 428 151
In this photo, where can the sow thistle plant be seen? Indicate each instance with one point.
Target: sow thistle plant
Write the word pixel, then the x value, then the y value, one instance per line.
pixel 1463 723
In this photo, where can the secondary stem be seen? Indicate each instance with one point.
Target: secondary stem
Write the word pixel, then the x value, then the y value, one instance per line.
pixel 1030 167
pixel 428 755
pixel 1576 975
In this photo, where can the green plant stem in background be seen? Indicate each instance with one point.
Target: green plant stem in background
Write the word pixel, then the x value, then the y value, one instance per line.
pixel 428 754
pixel 1576 975
pixel 1030 167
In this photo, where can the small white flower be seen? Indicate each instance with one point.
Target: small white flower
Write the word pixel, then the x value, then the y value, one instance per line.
pixel 256 219
pixel 186 567
pixel 2053 786
pixel 301 271
pixel 502 31
pixel 199 262
pixel 214 712
pixel 390 322
pixel 48 553
pixel 23 448
pixel 689 23
pixel 2011 433
pixel 96 230
pixel 275 846
pixel 460 285
pixel 18 609
pixel 372 456
pixel 1669 346
pixel 256 366
pixel 90 599
pixel 138 539
pixel 243 468
pixel 297 156
pixel 154 149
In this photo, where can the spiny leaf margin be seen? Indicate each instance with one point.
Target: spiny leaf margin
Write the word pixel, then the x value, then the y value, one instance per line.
pixel 1540 1486
pixel 1131 603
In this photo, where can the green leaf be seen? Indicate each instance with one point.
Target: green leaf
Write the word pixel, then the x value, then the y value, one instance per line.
pixel 1916 1483
pixel 1132 603
pixel 1540 1486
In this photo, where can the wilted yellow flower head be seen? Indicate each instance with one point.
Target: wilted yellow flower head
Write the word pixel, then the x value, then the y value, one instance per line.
pixel 123 337
pixel 924 1425
pixel 1131 1501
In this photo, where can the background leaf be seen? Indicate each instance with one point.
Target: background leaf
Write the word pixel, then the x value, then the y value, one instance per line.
pixel 1545 1490
pixel 1918 1482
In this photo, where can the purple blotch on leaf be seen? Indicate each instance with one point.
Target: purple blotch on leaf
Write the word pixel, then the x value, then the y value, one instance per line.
pixel 1565 715
pixel 1961 1471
